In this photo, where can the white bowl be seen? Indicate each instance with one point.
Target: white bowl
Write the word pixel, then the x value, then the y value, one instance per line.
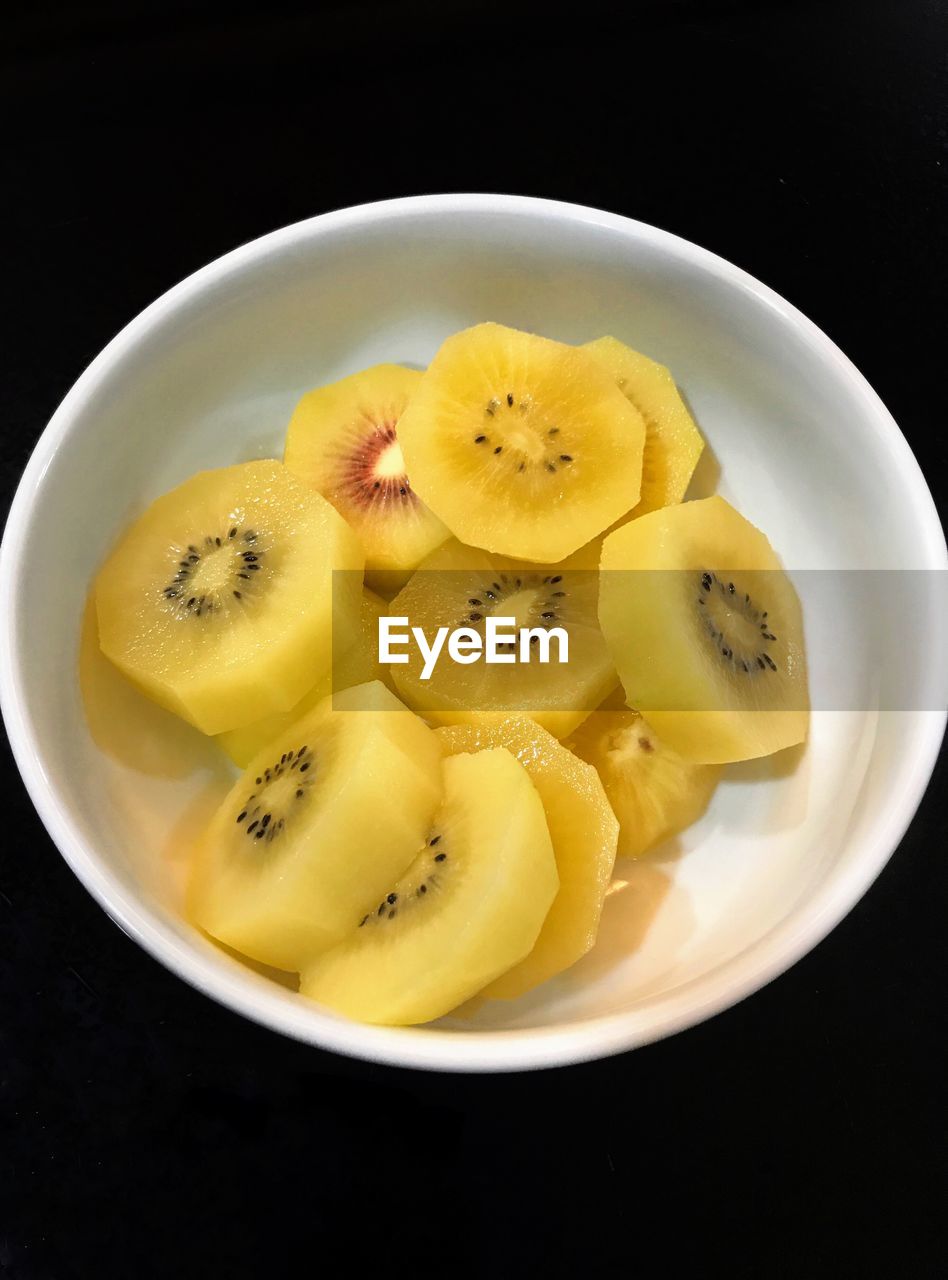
pixel 208 375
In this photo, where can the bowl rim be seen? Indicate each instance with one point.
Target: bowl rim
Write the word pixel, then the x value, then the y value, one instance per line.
pixel 437 1048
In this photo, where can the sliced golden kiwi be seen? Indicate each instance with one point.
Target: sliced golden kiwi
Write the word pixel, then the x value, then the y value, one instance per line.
pixel 522 446
pixel 218 602
pixel 468 908
pixel 654 792
pixel 706 632
pixel 343 440
pixel 461 587
pixel 584 831
pixel 301 841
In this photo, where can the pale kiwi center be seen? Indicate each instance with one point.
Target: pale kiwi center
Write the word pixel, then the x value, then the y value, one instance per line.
pixel 521 606
pixel 390 464
pixel 630 741
pixel 213 572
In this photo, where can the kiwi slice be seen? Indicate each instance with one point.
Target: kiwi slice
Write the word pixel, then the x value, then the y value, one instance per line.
pixel 673 443
pixel 584 831
pixel 357 663
pixel 469 906
pixel 218 601
pixel 343 440
pixel 460 586
pixel 523 446
pixel 654 792
pixel 706 632
pixel 298 844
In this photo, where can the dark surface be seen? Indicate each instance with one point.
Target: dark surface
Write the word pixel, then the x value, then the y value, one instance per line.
pixel 147 1132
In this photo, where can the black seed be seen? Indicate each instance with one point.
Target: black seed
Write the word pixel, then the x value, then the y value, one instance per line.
pixel 534 639
pixel 266 820
pixel 496 586
pixel 747 599
pixel 423 888
pixel 434 840
pixel 249 556
pixel 550 466
pixel 250 536
pixel 260 834
pixel 304 766
pixel 744 665
pixel 259 780
pixel 381 910
pixel 548 614
pixel 509 400
pixel 233 532
pixel 480 439
pixel 558 578
pixel 241 816
pixel 499 448
pixel 760 663
pixel 299 793
pixel 770 662
pixel 302 751
pixel 473 601
pixel 440 857
pixel 252 568
pixel 475 617
pixel 490 411
pixel 769 636
pixel 565 457
pixel 252 825
pixel 558 594
pixel 490 595
pixel 553 431
pixel 402 490
pixel 392 898
pixel 522 466
pixel 517 583
pixel 237 595
pixel 391 915
pixel 362 921
pixel 192 548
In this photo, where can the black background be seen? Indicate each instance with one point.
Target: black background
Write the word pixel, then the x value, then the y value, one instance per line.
pixel 147 1132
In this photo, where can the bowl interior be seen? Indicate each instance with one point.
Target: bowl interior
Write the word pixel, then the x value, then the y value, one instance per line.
pixel 210 375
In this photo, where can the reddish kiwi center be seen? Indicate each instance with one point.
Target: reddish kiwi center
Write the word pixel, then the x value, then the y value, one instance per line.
pixel 375 471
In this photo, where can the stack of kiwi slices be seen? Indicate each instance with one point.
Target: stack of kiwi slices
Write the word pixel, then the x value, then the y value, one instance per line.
pixel 410 833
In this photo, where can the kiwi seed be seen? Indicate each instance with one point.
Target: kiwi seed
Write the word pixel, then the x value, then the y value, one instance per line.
pixel 266 819
pixel 748 658
pixel 185 601
pixel 390 905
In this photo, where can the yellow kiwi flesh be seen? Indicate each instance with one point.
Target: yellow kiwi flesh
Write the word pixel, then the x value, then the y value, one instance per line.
pixel 460 586
pixel 654 792
pixel 218 601
pixel 357 663
pixel 343 440
pixel 584 831
pixel 521 445
pixel 309 832
pixel 469 907
pixel 706 632
pixel 673 443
